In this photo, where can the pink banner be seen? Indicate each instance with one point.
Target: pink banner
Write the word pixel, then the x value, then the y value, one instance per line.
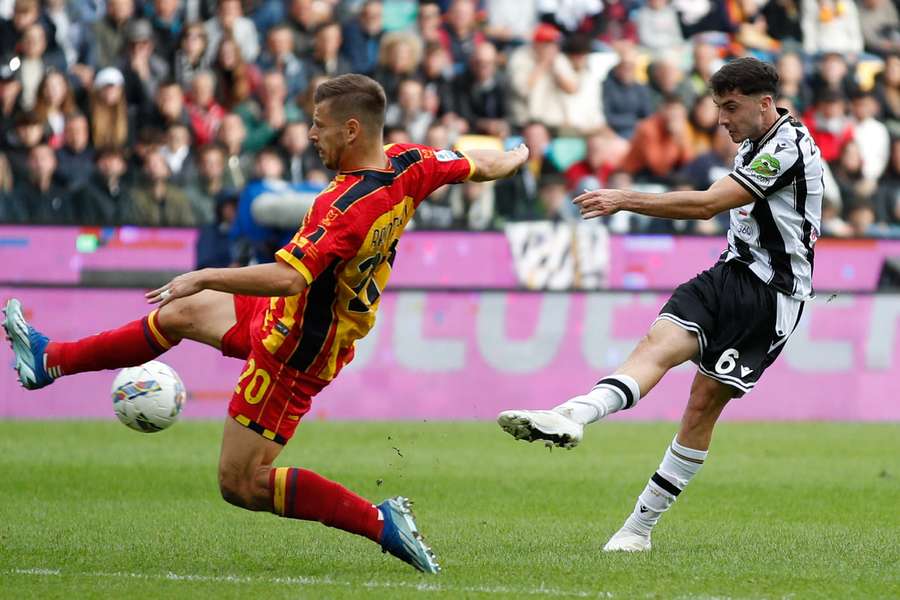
pixel 427 259
pixel 469 355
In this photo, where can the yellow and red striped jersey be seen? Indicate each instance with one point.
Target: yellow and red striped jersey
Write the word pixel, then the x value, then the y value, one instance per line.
pixel 345 249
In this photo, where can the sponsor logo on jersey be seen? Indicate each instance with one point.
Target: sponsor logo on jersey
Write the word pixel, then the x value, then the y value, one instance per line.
pixel 446 155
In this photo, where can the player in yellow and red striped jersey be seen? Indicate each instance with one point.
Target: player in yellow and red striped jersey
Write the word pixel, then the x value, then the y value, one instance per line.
pixel 294 321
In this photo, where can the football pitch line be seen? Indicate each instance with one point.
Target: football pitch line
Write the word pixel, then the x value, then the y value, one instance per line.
pixel 314 581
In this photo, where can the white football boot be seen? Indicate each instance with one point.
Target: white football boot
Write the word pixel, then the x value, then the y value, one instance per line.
pixel 554 428
pixel 626 540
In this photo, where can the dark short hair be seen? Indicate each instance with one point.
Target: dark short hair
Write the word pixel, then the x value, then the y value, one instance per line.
pixel 106 151
pixel 746 75
pixel 355 96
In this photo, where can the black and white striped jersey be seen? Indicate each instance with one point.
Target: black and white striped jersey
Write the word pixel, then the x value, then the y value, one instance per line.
pixel 775 233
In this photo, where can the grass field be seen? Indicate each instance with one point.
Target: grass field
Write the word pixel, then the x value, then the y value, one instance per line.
pixel 93 510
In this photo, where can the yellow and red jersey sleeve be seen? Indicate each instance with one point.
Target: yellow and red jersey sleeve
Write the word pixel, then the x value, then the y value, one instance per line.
pixel 326 235
pixel 436 168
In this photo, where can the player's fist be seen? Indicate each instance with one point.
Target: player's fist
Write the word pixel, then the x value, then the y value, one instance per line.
pixel 599 203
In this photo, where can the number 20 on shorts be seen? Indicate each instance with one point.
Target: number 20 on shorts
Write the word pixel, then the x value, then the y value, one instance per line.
pixel 255 382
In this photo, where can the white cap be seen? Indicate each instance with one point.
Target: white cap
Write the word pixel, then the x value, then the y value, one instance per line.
pixel 108 76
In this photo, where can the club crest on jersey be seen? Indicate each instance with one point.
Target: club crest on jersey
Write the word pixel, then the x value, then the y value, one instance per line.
pixel 446 155
pixel 765 165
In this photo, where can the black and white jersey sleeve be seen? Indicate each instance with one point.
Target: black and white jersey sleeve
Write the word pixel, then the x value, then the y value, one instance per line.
pixel 776 233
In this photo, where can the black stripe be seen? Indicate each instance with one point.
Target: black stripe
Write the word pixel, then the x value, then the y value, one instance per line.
pixel 770 240
pixel 149 336
pixel 363 188
pixel 800 201
pixel 297 253
pixel 316 235
pixel 629 397
pixel 665 484
pixel 405 160
pixel 256 427
pixel 754 191
pixel 685 458
pixel 317 318
pixel 743 250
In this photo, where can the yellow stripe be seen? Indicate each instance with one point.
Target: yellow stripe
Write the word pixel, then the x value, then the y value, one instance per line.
pixel 242 420
pixel 471 165
pixel 268 434
pixel 151 321
pixel 292 260
pixel 275 338
pixel 278 495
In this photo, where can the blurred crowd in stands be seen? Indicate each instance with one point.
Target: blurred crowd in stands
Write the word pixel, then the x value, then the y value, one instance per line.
pixel 166 112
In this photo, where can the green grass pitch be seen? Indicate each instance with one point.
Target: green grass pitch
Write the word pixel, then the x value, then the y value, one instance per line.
pixel 94 510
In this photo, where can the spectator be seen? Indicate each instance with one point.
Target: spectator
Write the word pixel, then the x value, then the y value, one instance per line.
pixel 192 54
pixel 214 246
pixel 229 18
pixel 615 25
pixel 232 134
pixel 833 74
pixel 326 58
pixel 783 20
pixel 887 90
pixel 848 173
pixel 831 26
pixel 265 118
pixel 300 158
pixel 71 32
pixel 109 32
pixel 583 108
pixel 658 28
pixel 870 134
pixel 362 37
pixel 75 159
pixel 408 111
pixel 156 201
pixel 509 22
pixel 147 141
pixel 887 196
pixel 398 60
pixel 34 62
pixel 168 109
pixel 554 200
pixel 667 79
pixel 10 89
pixel 109 110
pixel 699 16
pixel 209 183
pixel 103 197
pixel 660 143
pixel 604 153
pixel 703 123
pixel 625 101
pixel 27 133
pixel 236 78
pixel 12 207
pixel 828 124
pixel 279 56
pixel 712 165
pixel 832 223
pixel 706 61
pixel 460 33
pixel 791 82
pixel 541 77
pixel 45 201
pixel 880 26
pixel 177 154
pixel 437 73
pixel 481 94
pixel 861 218
pixel 204 112
pixel 258 243
pixel 142 68
pixel 517 196
pixel 165 20
pixel 54 101
pixel 429 22
pixel 304 16
pixel 25 14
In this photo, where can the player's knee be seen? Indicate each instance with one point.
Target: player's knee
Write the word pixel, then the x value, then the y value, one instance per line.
pixel 177 317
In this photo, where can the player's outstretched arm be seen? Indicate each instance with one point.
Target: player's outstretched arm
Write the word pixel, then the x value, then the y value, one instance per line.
pixel 271 279
pixel 494 164
pixel 723 195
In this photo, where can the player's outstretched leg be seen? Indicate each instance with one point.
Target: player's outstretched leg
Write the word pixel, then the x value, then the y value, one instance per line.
pixel 666 345
pixel 204 317
pixel 247 479
pixel 681 462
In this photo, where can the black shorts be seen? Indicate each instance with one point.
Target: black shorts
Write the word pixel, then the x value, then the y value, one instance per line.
pixel 740 322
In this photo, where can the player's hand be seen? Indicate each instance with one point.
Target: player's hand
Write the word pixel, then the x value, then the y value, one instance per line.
pixel 600 203
pixel 182 286
pixel 519 155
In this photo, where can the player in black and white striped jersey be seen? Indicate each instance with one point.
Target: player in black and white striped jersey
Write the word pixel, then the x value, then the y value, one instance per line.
pixel 733 319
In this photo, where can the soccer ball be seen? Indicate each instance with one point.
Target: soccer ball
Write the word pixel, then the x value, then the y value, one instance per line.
pixel 148 398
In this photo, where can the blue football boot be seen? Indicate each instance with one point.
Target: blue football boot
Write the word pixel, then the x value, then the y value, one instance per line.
pixel 29 346
pixel 401 537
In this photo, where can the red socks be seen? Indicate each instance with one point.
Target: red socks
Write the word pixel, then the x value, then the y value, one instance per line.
pixel 302 494
pixel 131 344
